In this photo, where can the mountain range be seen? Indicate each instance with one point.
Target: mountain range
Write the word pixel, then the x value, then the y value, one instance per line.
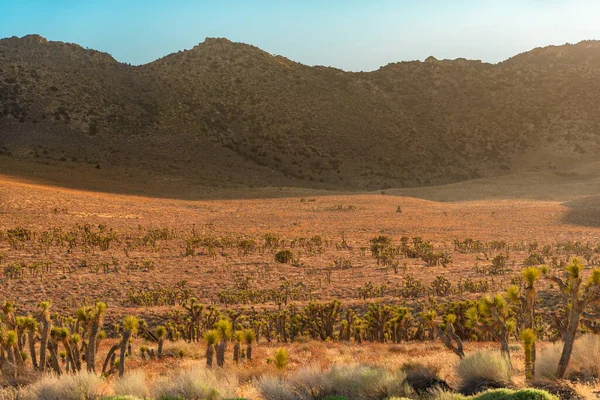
pixel 231 115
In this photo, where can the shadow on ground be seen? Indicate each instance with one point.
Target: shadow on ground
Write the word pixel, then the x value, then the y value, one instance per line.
pixel 583 212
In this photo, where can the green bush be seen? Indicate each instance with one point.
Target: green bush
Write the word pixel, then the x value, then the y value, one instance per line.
pixel 281 358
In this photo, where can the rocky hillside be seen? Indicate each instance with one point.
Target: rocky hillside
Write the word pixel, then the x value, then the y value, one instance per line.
pixel 230 114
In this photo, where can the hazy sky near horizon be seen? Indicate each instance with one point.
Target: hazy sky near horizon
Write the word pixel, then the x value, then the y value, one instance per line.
pixel 349 34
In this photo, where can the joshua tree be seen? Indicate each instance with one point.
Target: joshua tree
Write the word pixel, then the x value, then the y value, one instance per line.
pixel 448 335
pixel 577 296
pixel 249 337
pixel 224 329
pixel 526 299
pixel 31 326
pixel 130 327
pixel 491 315
pixel 429 321
pixel 211 337
pixel 238 337
pixel 8 308
pixel 92 317
pixel 11 343
pixel 55 336
pixel 161 334
pixel 44 318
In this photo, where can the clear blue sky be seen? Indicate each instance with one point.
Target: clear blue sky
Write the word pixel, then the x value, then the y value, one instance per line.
pixel 348 34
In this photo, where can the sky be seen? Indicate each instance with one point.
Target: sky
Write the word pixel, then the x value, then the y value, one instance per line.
pixel 348 34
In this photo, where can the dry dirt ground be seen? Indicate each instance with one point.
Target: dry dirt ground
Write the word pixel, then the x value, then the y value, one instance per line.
pixel 566 212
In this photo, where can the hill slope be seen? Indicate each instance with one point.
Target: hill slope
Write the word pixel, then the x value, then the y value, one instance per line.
pixel 230 114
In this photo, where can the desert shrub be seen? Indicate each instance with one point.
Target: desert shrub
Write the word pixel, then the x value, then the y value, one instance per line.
pixel 561 388
pixel 483 370
pixel 507 394
pixel 9 393
pixel 347 381
pixel 275 388
pixel 197 383
pixel 284 256
pixel 497 394
pixel 422 378
pixel 584 363
pixel 133 384
pixel 123 398
pixel 84 385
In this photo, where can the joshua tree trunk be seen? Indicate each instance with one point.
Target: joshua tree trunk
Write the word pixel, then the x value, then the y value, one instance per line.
pixel 11 358
pixel 31 341
pixel 124 347
pixel 449 337
pixel 71 360
pixel 236 352
pixel 221 348
pixel 570 334
pixel 160 347
pixel 111 352
pixel 54 359
pixel 90 353
pixel 249 352
pixel 44 343
pixel 210 353
pixel 18 356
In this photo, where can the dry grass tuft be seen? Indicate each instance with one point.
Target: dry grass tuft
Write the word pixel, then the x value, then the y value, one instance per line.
pixel 584 364
pixel 133 384
pixel 66 387
pixel 483 370
pixel 350 381
pixel 196 383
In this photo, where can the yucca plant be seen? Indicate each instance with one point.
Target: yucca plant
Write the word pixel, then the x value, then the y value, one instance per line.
pixel 528 338
pixel 161 334
pixel 280 358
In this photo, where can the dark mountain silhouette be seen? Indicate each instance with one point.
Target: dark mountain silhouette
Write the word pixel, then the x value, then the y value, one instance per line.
pixel 230 114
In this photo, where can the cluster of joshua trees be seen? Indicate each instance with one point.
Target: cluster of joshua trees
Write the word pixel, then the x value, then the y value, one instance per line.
pixel 64 344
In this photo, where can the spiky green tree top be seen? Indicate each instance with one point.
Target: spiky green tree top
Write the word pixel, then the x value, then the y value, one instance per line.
pixel 11 338
pixel 530 275
pixel 131 323
pixel 224 329
pixel 238 336
pixel 249 336
pixel 211 336
pixel 528 337
pixel 161 332
pixel 30 324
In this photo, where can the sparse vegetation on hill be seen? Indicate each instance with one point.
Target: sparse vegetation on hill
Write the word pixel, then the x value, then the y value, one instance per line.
pixel 229 114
